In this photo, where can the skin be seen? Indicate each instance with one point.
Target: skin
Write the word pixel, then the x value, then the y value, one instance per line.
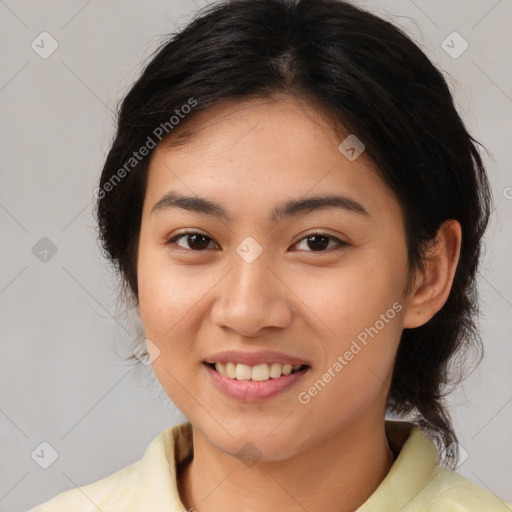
pixel 250 157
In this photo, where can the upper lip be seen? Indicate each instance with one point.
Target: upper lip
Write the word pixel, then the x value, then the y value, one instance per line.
pixel 254 358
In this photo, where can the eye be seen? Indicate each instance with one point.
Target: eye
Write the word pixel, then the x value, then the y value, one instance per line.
pixel 195 241
pixel 320 241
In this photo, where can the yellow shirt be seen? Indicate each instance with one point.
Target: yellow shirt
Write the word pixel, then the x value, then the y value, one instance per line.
pixel 415 482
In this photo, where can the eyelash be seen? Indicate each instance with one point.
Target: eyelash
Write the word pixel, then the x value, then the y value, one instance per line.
pixel 341 244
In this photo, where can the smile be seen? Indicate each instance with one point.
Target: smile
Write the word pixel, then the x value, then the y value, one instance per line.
pixel 274 378
pixel 257 373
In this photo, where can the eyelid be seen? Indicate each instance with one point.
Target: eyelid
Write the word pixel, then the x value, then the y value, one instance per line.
pixel 319 232
pixel 187 231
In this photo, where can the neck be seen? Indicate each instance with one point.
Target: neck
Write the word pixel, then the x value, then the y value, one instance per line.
pixel 314 480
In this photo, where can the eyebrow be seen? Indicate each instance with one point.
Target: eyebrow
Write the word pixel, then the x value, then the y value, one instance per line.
pixel 288 209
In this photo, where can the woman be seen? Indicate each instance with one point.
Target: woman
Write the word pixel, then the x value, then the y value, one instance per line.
pixel 296 209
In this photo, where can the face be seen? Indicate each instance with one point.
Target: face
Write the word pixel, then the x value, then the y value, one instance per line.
pixel 319 284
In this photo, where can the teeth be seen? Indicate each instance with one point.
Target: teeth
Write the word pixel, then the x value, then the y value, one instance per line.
pixel 260 372
pixel 230 370
pixel 275 370
pixel 243 372
pixel 257 373
pixel 287 369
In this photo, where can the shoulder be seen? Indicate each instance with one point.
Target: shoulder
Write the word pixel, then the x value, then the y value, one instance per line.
pixel 150 484
pixel 112 490
pixel 417 482
pixel 450 491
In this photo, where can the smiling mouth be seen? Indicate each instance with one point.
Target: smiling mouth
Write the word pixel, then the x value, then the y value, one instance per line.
pixel 257 373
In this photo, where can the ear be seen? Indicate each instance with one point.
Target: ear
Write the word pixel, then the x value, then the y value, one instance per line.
pixel 433 284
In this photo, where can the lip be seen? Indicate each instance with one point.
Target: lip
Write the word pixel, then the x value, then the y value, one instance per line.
pixel 249 391
pixel 254 358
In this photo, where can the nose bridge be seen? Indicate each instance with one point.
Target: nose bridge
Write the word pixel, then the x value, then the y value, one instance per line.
pixel 250 270
pixel 250 279
pixel 251 297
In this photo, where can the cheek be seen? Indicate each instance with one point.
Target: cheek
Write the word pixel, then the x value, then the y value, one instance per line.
pixel 166 292
pixel 348 299
pixel 360 312
pixel 169 308
pixel 166 301
pixel 358 361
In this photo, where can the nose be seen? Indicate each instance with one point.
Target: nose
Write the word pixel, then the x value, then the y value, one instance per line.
pixel 252 297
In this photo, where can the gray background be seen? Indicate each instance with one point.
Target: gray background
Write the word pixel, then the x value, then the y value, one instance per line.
pixel 63 335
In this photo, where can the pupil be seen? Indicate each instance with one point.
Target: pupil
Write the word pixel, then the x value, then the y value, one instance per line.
pixel 193 239
pixel 321 245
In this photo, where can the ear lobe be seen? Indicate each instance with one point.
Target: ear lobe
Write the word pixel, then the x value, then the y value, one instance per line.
pixel 433 284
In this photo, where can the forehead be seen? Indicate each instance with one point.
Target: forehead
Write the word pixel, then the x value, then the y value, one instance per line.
pixel 259 150
pixel 257 109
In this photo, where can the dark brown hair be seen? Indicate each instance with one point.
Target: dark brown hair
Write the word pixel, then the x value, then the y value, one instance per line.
pixel 380 86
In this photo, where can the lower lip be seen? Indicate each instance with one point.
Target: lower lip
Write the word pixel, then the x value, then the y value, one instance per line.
pixel 250 391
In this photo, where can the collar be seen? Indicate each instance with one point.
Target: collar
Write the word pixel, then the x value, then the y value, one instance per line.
pixel 411 471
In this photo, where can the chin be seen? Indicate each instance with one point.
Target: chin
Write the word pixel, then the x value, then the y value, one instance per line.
pixel 254 442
